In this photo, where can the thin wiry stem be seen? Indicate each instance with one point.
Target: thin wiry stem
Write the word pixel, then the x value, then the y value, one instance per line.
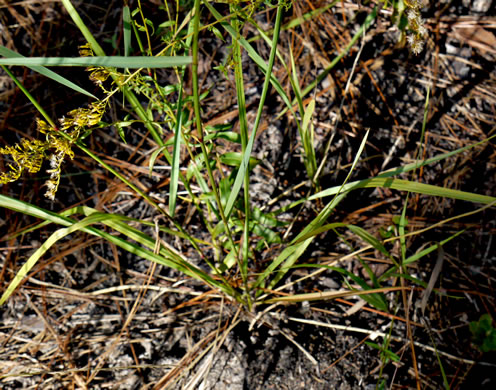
pixel 199 126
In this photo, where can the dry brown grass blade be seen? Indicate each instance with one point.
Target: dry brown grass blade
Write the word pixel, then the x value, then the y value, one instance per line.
pixel 373 334
pixel 432 280
pixel 173 375
pixel 81 383
pixel 476 35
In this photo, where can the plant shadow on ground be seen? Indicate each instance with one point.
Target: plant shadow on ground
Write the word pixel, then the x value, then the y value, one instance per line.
pixel 68 324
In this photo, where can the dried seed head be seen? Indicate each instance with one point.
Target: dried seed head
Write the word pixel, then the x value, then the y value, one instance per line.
pixel 418 34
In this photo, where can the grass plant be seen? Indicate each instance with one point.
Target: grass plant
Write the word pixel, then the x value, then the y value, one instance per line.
pixel 238 230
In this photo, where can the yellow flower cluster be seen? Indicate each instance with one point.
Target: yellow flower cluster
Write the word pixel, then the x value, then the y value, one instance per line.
pixel 416 25
pixel 25 155
pixel 98 74
pixel 29 154
pixel 83 117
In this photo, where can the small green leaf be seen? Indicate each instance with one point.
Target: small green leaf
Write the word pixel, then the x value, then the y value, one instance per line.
pixel 387 353
pixel 120 130
pixel 168 89
pixel 227 135
pixel 154 156
pixel 397 219
pixel 217 33
pixel 167 24
pixel 483 333
pixel 229 261
pixel 386 233
pixel 234 159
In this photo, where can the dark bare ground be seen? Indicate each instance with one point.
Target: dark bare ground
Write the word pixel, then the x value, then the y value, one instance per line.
pixel 85 318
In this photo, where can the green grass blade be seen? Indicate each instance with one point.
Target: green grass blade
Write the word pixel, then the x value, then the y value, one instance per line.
pixel 432 248
pixel 29 96
pixel 33 259
pixel 406 185
pixel 390 173
pixel 243 130
pixel 446 382
pixel 370 239
pixel 308 116
pixel 82 27
pixel 392 272
pixel 418 164
pixel 246 155
pixel 235 159
pixel 46 72
pixel 307 138
pixel 154 157
pixel 401 228
pixel 117 223
pixel 107 61
pixel 35 211
pixel 295 83
pixel 291 255
pixel 253 54
pixel 176 153
pixel 319 230
pixel 386 353
pixel 424 123
pixel 377 300
pixel 167 258
pixel 126 24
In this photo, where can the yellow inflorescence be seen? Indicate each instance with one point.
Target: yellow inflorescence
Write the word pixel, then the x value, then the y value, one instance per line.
pixel 30 154
pixel 98 74
pixel 82 117
pixel 25 155
pixel 413 3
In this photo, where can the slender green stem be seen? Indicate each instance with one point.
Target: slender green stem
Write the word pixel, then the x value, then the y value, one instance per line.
pixel 199 126
pixel 243 129
pixel 136 106
pixel 145 27
pixel 174 178
pixel 246 156
pixel 129 95
pixel 82 27
pixel 29 96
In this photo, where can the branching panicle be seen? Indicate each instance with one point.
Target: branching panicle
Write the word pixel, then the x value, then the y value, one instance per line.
pixel 29 154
